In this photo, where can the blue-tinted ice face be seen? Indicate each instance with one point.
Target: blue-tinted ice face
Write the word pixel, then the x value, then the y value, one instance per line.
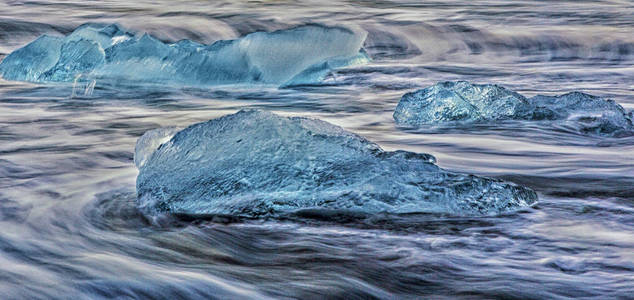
pixel 301 55
pixel 461 101
pixel 589 114
pixel 30 62
pixel 254 163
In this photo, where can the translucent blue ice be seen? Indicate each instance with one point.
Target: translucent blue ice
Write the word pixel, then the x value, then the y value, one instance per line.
pixel 461 101
pixel 301 55
pixel 587 113
pixel 254 164
pixel 150 141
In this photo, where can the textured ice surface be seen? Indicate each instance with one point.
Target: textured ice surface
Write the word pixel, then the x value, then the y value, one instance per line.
pixel 301 55
pixel 587 113
pixel 150 141
pixel 462 101
pixel 31 61
pixel 255 163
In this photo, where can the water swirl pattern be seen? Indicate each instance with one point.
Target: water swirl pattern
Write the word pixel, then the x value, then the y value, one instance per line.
pixel 71 151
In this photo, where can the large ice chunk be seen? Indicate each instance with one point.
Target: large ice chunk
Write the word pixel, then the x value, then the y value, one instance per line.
pixel 255 163
pixel 461 101
pixel 300 55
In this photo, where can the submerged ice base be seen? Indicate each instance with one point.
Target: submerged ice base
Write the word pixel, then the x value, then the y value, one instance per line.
pixel 253 164
pixel 300 55
pixel 461 101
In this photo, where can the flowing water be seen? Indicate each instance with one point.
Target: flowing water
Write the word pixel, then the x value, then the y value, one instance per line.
pixel 70 228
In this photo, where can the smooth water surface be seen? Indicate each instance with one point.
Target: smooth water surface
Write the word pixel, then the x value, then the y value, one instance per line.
pixel 70 227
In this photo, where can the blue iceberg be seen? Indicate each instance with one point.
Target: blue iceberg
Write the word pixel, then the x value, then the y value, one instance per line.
pixel 461 101
pixel 300 55
pixel 257 164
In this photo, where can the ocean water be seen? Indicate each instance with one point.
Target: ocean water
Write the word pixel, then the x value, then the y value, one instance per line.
pixel 70 227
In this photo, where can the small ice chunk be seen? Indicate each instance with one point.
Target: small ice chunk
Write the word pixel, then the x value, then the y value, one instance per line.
pixel 590 114
pixel 461 101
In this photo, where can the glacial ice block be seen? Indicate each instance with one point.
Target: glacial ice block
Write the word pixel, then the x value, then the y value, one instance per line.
pixel 300 55
pixel 461 101
pixel 254 164
pixel 587 113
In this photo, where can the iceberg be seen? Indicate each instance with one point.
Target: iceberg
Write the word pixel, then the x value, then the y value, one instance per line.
pixel 300 55
pixel 256 164
pixel 461 101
